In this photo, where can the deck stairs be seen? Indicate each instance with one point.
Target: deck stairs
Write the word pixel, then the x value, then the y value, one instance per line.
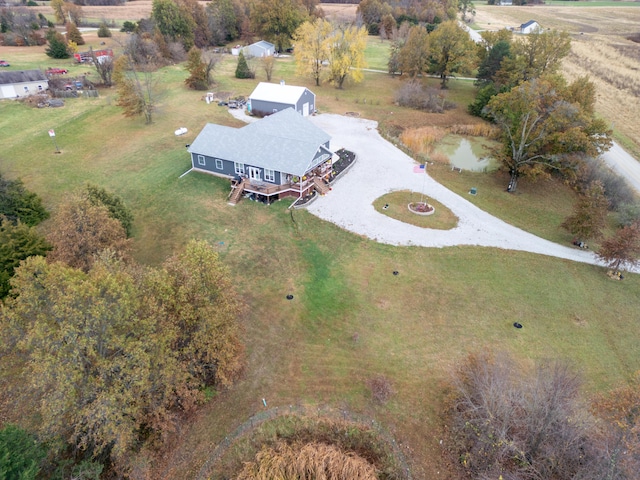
pixel 321 187
pixel 236 193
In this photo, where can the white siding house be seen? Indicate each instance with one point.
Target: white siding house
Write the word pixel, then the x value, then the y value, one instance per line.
pixel 530 27
pixel 22 83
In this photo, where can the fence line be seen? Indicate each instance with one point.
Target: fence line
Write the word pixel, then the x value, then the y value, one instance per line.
pixel 318 411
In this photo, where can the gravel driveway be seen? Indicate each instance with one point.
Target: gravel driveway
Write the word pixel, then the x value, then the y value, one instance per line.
pixel 381 168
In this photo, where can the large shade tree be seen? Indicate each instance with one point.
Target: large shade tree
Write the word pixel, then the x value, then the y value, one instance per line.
pixel 277 20
pixel 452 51
pixel 545 127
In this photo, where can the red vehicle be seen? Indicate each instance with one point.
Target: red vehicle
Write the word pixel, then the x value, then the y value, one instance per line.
pixel 4 63
pixel 56 71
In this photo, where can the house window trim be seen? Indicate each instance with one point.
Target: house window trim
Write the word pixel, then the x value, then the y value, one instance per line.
pixel 269 175
pixel 202 161
pixel 238 168
pixel 219 164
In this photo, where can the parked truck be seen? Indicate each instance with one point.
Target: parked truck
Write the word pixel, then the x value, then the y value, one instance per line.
pixel 87 57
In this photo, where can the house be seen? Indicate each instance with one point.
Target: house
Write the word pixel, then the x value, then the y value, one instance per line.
pixel 21 83
pixel 530 27
pixel 259 49
pixel 281 155
pixel 268 98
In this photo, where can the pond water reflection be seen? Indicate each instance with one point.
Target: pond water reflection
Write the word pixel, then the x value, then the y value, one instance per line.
pixel 469 153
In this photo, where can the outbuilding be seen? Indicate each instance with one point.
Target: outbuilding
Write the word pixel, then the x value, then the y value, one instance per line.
pixel 269 98
pixel 530 27
pixel 259 49
pixel 21 83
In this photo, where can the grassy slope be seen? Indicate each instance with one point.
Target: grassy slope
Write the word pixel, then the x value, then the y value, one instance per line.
pixel 412 327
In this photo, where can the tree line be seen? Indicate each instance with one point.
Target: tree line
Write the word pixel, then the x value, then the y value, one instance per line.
pixel 116 354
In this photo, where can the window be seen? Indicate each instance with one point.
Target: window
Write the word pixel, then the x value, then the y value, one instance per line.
pixel 238 168
pixel 269 175
pixel 201 160
pixel 26 89
pixel 40 87
pixel 218 164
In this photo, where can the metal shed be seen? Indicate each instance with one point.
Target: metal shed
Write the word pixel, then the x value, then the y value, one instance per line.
pixel 268 98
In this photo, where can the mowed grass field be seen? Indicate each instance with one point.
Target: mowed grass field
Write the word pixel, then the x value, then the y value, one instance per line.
pixel 350 318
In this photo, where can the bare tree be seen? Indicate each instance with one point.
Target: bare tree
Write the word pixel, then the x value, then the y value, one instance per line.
pixel 522 424
pixel 623 249
pixel 267 63
pixel 104 67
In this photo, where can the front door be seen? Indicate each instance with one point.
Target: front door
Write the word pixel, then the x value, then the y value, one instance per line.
pixel 254 174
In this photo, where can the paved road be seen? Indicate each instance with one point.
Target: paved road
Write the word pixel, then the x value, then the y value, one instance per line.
pixel 622 162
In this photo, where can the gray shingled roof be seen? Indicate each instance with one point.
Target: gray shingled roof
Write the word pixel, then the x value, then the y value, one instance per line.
pixel 22 76
pixel 285 142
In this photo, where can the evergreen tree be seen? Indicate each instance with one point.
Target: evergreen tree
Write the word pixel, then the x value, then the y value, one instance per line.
pixel 20 454
pixel 17 242
pixel 116 206
pixel 243 70
pixel 73 34
pixel 17 203
pixel 57 46
pixel 198 76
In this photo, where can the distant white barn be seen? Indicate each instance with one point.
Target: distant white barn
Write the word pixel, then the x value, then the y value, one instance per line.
pixel 268 98
pixel 530 27
pixel 259 49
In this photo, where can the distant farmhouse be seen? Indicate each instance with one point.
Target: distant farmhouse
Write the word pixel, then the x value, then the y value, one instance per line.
pixel 281 155
pixel 22 83
pixel 268 98
pixel 530 27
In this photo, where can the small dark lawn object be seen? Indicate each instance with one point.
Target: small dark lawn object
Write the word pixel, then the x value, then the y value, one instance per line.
pixel 395 272
pixel 517 325
pixel 386 205
pixel 289 297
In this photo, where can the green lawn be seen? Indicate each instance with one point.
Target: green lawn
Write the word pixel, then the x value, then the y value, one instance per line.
pixel 413 327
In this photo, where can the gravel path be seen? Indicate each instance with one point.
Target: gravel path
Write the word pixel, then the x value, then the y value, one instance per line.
pixel 382 168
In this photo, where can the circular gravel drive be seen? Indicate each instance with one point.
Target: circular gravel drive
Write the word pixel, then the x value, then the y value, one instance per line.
pixel 382 168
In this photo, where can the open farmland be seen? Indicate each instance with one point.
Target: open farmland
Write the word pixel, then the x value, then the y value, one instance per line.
pixel 600 48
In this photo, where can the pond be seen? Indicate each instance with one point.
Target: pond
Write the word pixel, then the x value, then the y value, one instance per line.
pixel 468 153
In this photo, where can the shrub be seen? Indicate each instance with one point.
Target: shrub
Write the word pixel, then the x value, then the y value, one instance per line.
pixel 518 422
pixel 57 47
pixel 413 95
pixel 17 203
pixel 103 31
pixel 21 454
pixel 381 388
pixel 616 188
pixel 128 27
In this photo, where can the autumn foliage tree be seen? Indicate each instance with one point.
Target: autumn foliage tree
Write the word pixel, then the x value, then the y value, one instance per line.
pixel 199 76
pixel 346 55
pixel 312 41
pixel 82 230
pixel 622 249
pixel 119 352
pixel 73 34
pixel 136 90
pixel 589 215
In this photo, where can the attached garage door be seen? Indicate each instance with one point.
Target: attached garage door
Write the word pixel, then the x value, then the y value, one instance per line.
pixel 8 91
pixel 305 109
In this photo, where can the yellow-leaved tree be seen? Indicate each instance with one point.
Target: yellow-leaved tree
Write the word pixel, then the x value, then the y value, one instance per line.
pixel 346 54
pixel 313 42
